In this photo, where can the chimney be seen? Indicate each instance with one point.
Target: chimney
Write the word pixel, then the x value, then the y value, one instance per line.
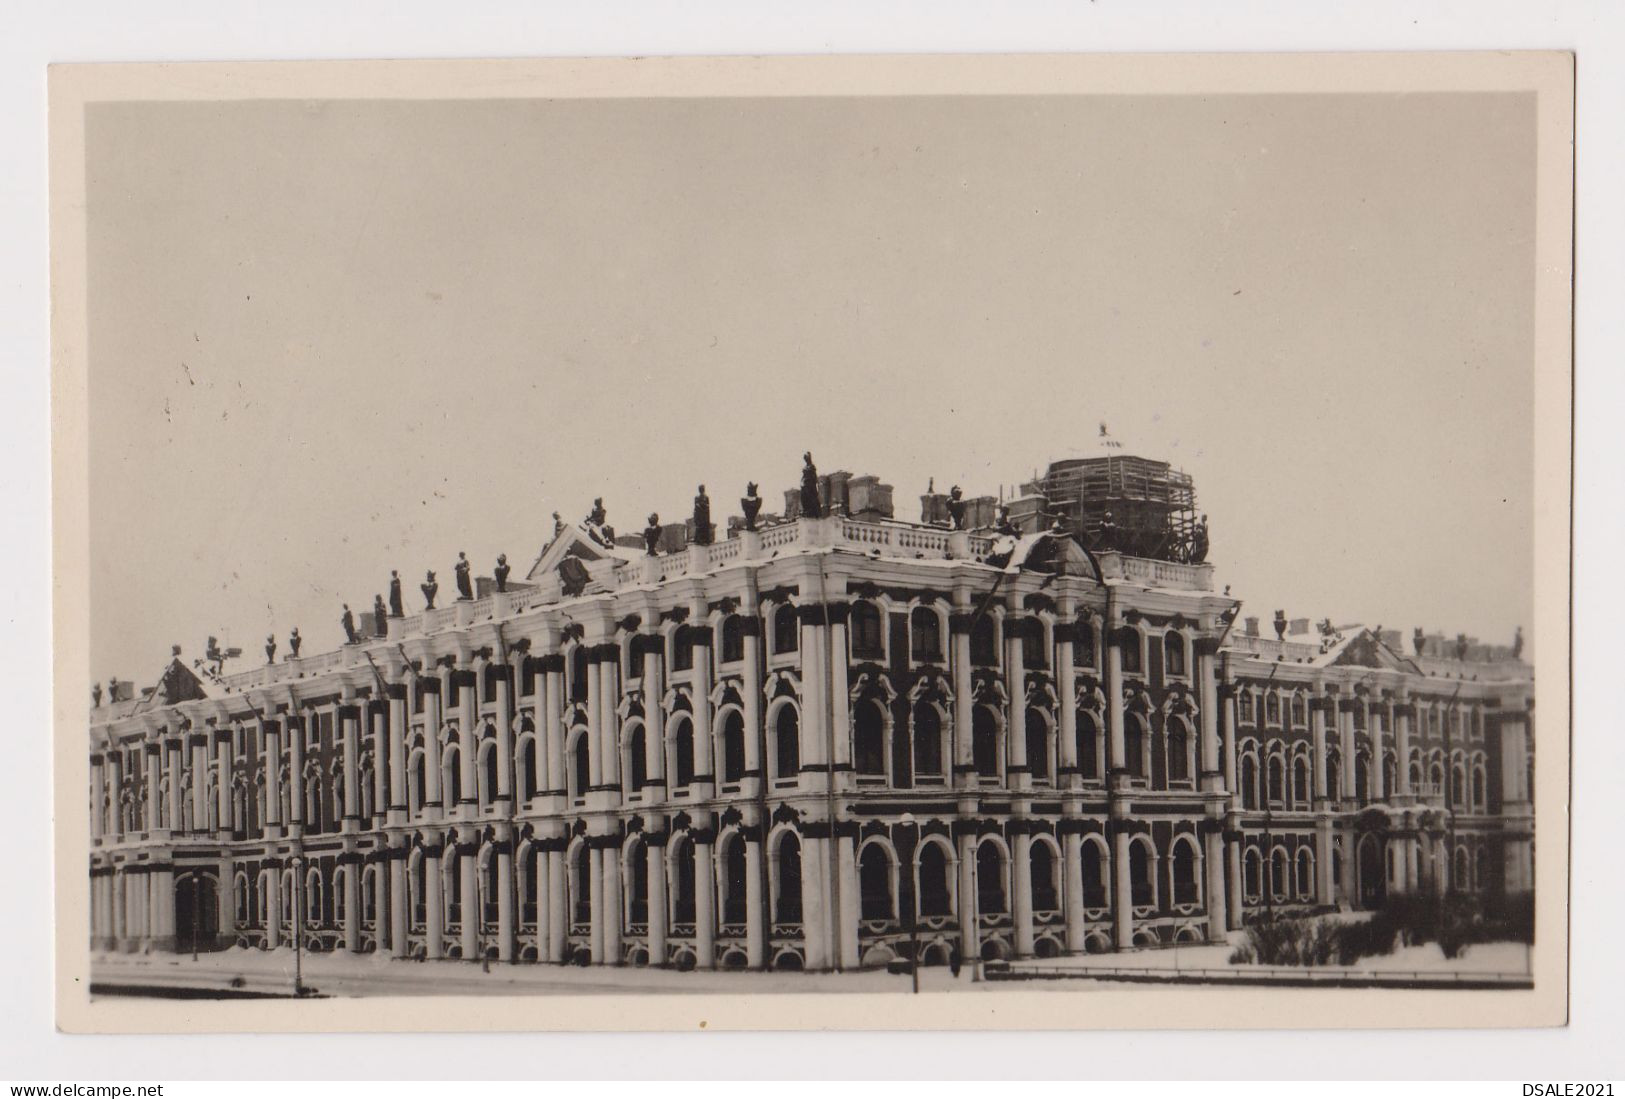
pixel 1251 626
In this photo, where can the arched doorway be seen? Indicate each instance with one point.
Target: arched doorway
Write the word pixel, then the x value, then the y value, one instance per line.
pixel 1373 884
pixel 197 912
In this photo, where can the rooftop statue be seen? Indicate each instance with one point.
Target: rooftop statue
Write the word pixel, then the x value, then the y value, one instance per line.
pixel 348 622
pixel 751 505
pixel 596 530
pixel 1280 625
pixel 270 648
pixel 380 616
pixel 702 518
pixel 112 691
pixel 96 694
pixel 1107 539
pixel 1199 543
pixel 651 534
pixel 956 507
pixel 810 506
pixel 397 608
pixel 465 585
pixel 1517 643
pixel 501 572
pixel 1461 646
pixel 558 524
pixel 1419 640
pixel 429 588
pixel 294 641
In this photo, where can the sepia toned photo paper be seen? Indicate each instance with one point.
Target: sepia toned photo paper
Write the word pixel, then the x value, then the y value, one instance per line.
pixel 1001 542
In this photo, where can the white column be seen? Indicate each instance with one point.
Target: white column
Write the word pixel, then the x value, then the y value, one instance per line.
pixel 352 907
pixel 468 885
pixel 847 879
pixel 960 642
pixel 970 935
pixel 558 916
pixel 656 854
pixel 753 703
pixel 595 901
pixel 1021 878
pixel 273 907
pixel 200 780
pixel 468 740
pixel 1072 899
pixel 1373 727
pixel 1066 690
pixel 841 710
pixel 1317 725
pixel 705 765
pixel 398 913
pixel 814 890
pixel 1345 724
pixel 350 734
pixel 1122 892
pixel 612 906
pixel 1015 722
pixel 755 932
pixel 504 790
pixel 553 707
pixel 609 695
pixel 1324 884
pixel 1218 916
pixel 654 737
pixel 434 906
pixel 541 867
pixel 222 792
pixel 154 785
pixel 1402 748
pixel 397 801
pixel 505 921
pixel 705 921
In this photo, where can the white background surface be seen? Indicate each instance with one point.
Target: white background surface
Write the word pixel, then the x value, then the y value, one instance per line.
pixel 36 35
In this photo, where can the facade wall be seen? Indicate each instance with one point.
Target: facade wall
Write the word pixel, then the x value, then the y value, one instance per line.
pixel 818 755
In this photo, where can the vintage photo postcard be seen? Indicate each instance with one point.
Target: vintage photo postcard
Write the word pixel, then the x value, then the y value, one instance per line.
pixel 1016 542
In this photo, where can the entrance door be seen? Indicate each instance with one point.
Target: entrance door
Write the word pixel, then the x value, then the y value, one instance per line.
pixel 1373 879
pixel 197 913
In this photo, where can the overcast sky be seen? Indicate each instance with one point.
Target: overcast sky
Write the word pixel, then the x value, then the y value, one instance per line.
pixel 331 339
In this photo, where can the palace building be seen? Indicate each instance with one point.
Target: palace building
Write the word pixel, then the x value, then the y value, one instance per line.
pixel 823 740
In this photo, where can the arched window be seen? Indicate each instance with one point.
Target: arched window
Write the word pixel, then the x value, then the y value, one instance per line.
pixel 1478 788
pixel 682 749
pixel 990 897
pixel 1280 873
pixel 733 747
pixel 1306 872
pixel 488 773
pixel 637 894
pixel 637 758
pixel 984 741
pixel 1244 706
pixel 580 885
pixel 1142 889
pixel 1458 786
pixel 1045 898
pixel 416 783
pixel 1334 770
pixel 1093 857
pixel 1130 648
pixel 875 883
pixel 787 742
pixel 1362 778
pixel 984 651
pixel 733 639
pixel 1272 708
pixel 866 642
pixel 526 866
pixel 1252 872
pixel 927 739
pixel 682 885
pixel 1134 734
pixel 682 650
pixel 933 870
pixel 1179 744
pixel 1088 745
pixel 451 775
pixel 733 880
pixel 925 635
pixel 1038 744
pixel 1300 710
pixel 1034 644
pixel 1184 873
pixel 1277 781
pixel 1249 782
pixel 1173 653
pixel 786 630
pixel 1300 781
pixel 580 764
pixel 1083 645
pixel 417 880
pixel 490 889
pixel 787 896
pixel 869 738
pixel 1390 773
pixel 451 886
pixel 527 769
pixel 579 674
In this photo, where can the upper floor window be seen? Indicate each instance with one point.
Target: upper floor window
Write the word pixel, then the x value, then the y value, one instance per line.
pixel 1272 708
pixel 1300 710
pixel 786 630
pixel 925 635
pixel 1131 653
pixel 1244 705
pixel 866 641
pixel 1083 645
pixel 579 669
pixel 983 649
pixel 733 639
pixel 1034 652
pixel 682 651
pixel 1173 653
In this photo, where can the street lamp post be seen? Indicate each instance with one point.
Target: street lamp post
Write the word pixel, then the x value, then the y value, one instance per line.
pixel 197 907
pixel 298 926
pixel 907 821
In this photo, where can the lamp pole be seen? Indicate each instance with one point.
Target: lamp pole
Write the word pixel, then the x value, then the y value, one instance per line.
pixel 197 908
pixel 298 926
pixel 907 821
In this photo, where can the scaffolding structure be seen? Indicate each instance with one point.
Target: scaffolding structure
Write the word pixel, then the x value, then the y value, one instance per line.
pixel 1137 506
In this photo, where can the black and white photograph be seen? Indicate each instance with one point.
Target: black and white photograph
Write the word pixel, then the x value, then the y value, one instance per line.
pixel 814 542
